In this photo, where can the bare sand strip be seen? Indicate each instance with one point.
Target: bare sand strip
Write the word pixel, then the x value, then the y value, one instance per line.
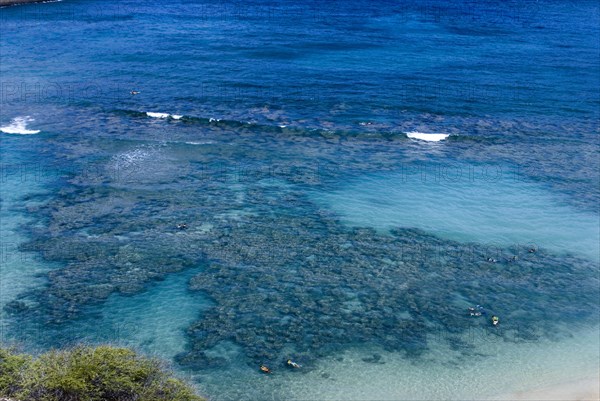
pixel 580 390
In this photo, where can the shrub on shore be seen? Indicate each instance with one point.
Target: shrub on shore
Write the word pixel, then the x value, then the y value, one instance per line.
pixel 83 373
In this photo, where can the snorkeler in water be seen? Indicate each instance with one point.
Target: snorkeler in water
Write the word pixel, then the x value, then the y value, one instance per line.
pixel 293 364
pixel 265 369
pixel 476 311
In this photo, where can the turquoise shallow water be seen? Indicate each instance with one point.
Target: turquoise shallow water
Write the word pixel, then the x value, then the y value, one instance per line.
pixel 153 322
pixel 316 228
pixel 489 204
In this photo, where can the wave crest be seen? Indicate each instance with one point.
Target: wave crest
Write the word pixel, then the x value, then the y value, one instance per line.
pixel 18 126
pixel 429 137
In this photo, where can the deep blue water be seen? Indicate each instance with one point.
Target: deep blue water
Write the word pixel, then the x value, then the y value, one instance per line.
pixel 315 225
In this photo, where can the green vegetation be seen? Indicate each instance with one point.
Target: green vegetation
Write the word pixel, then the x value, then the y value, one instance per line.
pixel 84 373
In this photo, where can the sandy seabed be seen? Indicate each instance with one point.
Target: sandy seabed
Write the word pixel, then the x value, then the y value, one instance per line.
pixel 579 390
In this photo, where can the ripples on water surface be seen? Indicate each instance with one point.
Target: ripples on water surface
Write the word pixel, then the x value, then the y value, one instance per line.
pixel 317 228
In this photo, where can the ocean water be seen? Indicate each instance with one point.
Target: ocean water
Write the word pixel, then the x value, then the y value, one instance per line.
pixel 353 176
pixel 489 204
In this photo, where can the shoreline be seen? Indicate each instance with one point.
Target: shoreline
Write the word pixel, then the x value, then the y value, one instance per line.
pixel 6 3
pixel 576 390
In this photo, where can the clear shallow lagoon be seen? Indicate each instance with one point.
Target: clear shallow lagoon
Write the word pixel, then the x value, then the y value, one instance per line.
pixel 489 204
pixel 317 228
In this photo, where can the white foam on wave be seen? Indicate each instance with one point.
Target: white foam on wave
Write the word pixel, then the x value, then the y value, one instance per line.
pixel 164 115
pixel 157 115
pixel 429 137
pixel 18 126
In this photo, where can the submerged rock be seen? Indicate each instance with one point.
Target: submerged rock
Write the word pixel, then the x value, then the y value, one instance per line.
pixel 284 275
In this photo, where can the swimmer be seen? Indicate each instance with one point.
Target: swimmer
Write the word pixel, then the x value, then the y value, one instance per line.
pixel 264 369
pixel 476 311
pixel 293 364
